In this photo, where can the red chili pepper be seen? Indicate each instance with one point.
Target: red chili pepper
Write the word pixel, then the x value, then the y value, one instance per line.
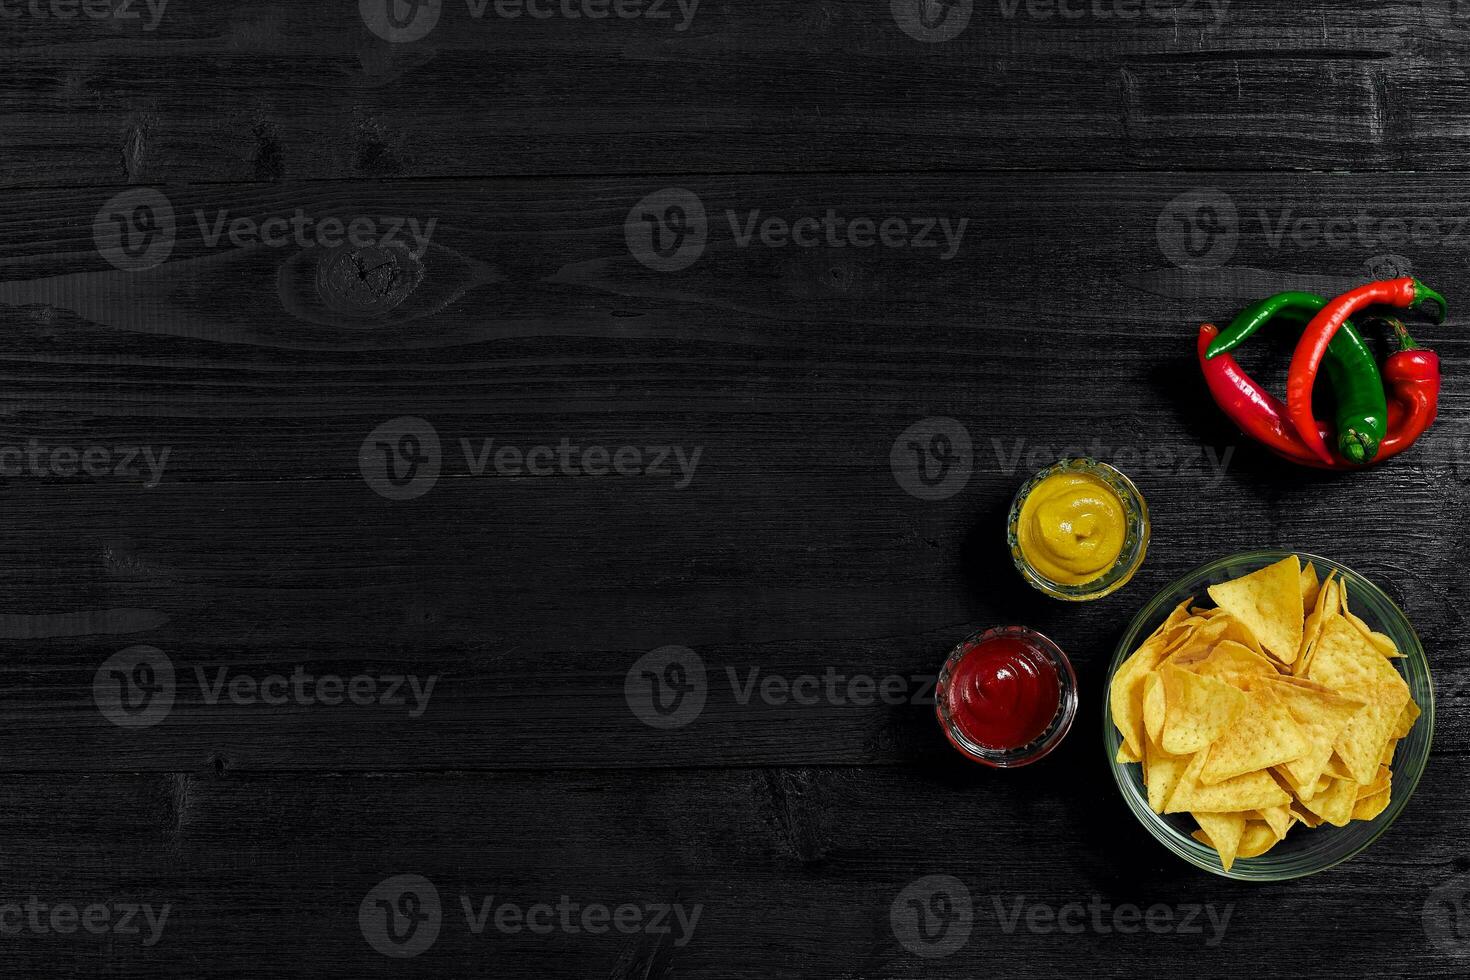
pixel 1413 379
pixel 1258 413
pixel 1302 375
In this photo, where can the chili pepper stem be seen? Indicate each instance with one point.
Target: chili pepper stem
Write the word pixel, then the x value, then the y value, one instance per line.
pixel 1355 445
pixel 1423 292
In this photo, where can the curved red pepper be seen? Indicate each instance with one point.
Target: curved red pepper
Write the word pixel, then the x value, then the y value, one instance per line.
pixel 1413 379
pixel 1302 375
pixel 1258 413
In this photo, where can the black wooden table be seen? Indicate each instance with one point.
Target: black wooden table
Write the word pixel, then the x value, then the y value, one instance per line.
pixel 459 517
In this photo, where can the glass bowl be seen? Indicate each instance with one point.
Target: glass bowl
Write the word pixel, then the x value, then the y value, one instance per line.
pixel 1038 747
pixel 1135 539
pixel 1304 851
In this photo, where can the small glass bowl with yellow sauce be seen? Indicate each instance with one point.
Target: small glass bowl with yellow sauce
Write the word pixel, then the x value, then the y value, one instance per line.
pixel 1078 529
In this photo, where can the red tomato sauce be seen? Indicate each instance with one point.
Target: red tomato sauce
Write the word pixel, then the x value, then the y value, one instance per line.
pixel 1003 693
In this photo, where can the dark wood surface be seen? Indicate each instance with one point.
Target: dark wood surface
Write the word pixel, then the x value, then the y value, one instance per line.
pixel 1078 152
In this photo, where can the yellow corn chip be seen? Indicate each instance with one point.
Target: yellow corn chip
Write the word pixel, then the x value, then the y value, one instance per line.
pixel 1256 839
pixel 1335 803
pixel 1125 754
pixel 1231 656
pixel 1406 720
pixel 1348 663
pixel 1268 602
pixel 1264 734
pixel 1302 814
pixel 1223 831
pixel 1161 773
pixel 1277 817
pixel 1325 608
pixel 1370 807
pixel 1250 791
pixel 1153 706
pixel 1322 715
pixel 1310 585
pixel 1197 711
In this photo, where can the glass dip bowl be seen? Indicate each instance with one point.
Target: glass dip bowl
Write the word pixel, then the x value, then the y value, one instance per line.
pixel 1305 851
pixel 1135 532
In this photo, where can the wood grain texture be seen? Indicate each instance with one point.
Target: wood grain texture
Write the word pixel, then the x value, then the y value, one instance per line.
pixel 793 872
pixel 192 480
pixel 266 91
pixel 786 548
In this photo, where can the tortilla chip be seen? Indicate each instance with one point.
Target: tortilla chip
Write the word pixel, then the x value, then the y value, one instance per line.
pixel 1348 663
pixel 1326 607
pixel 1322 715
pixel 1310 585
pixel 1250 791
pixel 1153 706
pixel 1268 602
pixel 1263 735
pixel 1223 831
pixel 1198 710
pixel 1335 803
pixel 1369 807
pixel 1231 656
pixel 1161 773
pixel 1125 754
pixel 1256 839
pixel 1279 818
pixel 1407 717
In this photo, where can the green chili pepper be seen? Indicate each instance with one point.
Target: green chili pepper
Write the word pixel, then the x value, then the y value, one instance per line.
pixel 1362 407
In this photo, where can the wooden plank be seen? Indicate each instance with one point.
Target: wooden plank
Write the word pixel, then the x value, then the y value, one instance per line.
pixel 779 873
pixel 792 549
pixel 271 91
